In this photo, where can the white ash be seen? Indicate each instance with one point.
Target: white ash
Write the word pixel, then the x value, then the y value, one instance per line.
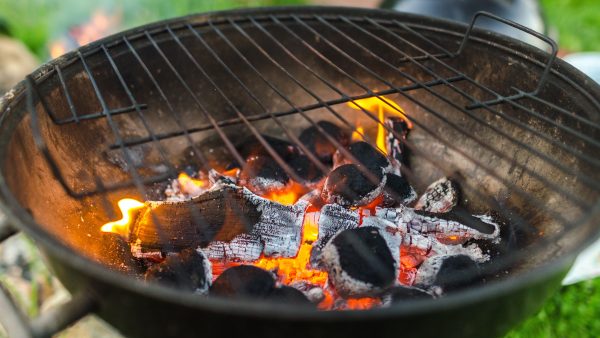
pixel 386 300
pixel 344 284
pixel 278 233
pixel 279 226
pixel 428 271
pixel 440 197
pixel 409 221
pixel 244 247
pixel 333 219
pixel 207 266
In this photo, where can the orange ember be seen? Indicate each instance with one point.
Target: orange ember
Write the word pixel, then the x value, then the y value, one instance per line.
pixel 296 269
pixel 128 206
pixel 381 106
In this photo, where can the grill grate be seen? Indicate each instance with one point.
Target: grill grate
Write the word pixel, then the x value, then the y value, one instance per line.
pixel 320 37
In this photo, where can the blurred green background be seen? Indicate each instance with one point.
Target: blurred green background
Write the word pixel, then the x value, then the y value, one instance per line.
pixel 573 312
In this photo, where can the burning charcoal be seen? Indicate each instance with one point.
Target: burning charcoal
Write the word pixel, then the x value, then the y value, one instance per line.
pixel 399 294
pixel 119 254
pixel 359 262
pixel 318 143
pixel 332 220
pixel 276 233
pixel 347 185
pixel 220 214
pixel 440 197
pixel 243 281
pixel 289 295
pixel 251 147
pixel 367 156
pixel 262 174
pixel 188 270
pixel 449 272
pixel 397 191
pixel 387 230
pixel 313 198
pixel 306 169
pixel 394 145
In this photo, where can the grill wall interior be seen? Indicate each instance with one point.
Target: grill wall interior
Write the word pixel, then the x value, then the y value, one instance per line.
pixel 446 140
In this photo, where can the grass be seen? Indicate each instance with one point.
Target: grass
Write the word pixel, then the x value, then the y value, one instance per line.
pixel 577 21
pixel 574 312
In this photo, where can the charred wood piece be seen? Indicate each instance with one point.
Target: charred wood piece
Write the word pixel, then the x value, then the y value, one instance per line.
pixel 332 220
pixel 219 214
pixel 243 281
pixel 276 233
pixel 262 174
pixel 187 270
pixel 319 144
pixel 397 191
pixel 440 197
pixel 449 272
pixel 396 145
pixel 359 262
pixel 347 185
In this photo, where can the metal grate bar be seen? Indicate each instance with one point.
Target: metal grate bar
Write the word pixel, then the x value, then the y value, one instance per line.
pixel 203 109
pixel 537 202
pixel 275 118
pixel 292 174
pixel 75 117
pixel 350 58
pixel 257 117
pixel 510 100
pixel 370 176
pixel 459 128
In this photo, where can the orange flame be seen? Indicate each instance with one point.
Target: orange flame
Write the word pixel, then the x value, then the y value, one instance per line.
pixel 128 207
pixel 100 25
pixel 191 186
pixel 297 268
pixel 381 105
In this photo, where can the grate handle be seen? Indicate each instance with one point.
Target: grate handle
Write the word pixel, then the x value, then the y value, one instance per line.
pixel 549 41
pixel 16 323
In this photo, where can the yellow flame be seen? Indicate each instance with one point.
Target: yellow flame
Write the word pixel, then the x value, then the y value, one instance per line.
pixel 128 206
pixel 381 105
pixel 357 135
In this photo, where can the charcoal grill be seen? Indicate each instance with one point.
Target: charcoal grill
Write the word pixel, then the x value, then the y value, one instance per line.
pixel 515 126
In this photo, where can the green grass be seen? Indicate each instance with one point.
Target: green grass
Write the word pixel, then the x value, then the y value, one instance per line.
pixel 577 21
pixel 574 312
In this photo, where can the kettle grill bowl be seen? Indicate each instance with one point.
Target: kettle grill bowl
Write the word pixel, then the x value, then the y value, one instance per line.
pixel 548 213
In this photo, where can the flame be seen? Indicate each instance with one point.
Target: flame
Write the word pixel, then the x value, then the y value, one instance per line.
pixel 357 135
pixel 128 207
pixel 297 269
pixel 191 186
pixel 381 105
pixel 288 195
pixel 100 25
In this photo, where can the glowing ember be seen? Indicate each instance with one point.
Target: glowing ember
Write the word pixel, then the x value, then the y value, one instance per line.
pixel 381 105
pixel 296 269
pixel 128 206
